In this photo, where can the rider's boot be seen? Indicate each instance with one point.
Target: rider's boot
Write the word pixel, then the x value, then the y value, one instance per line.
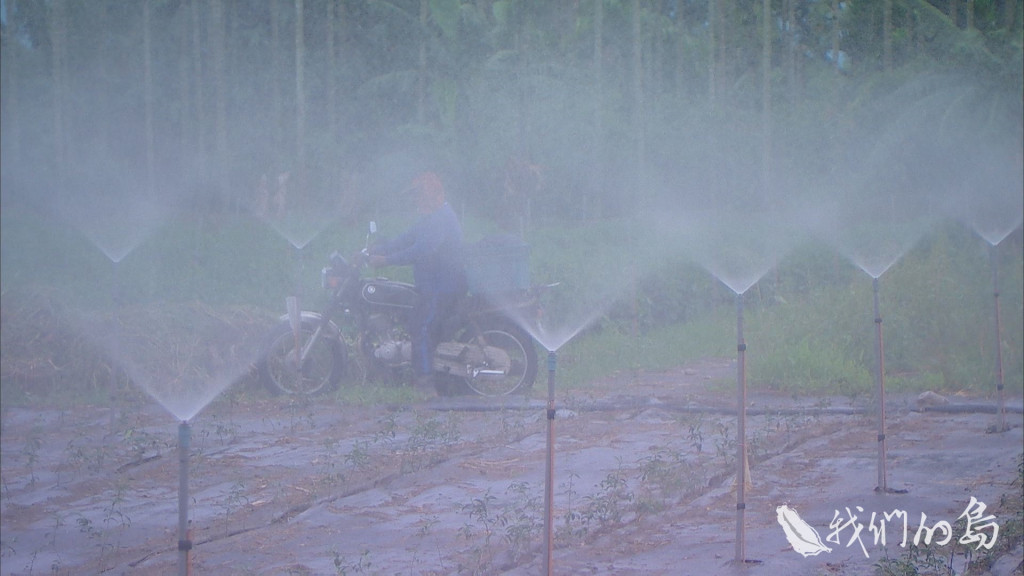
pixel 425 384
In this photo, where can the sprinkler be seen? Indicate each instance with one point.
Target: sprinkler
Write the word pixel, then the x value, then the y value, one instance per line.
pixel 184 538
pixel 549 474
pixel 741 425
pixel 994 233
pixel 1001 418
pixel 115 296
pixel 880 380
pixel 882 486
pixel 874 249
pixel 300 272
pixel 552 341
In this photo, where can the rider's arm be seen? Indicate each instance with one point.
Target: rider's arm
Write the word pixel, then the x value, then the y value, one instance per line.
pixel 399 244
pixel 425 237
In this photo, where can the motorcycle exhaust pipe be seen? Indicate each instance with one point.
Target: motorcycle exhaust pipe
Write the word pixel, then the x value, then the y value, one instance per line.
pixel 488 373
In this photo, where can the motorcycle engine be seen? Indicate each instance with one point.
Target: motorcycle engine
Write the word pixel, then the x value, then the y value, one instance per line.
pixel 393 352
pixel 391 345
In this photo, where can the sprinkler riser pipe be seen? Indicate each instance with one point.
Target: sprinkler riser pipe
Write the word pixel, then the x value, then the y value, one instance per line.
pixel 880 362
pixel 549 471
pixel 115 297
pixel 1001 418
pixel 300 272
pixel 741 433
pixel 184 542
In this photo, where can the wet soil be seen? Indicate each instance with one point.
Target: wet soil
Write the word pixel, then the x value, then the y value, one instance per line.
pixel 644 482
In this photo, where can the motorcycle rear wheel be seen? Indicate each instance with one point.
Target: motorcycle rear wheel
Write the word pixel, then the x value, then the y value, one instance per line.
pixel 320 372
pixel 522 354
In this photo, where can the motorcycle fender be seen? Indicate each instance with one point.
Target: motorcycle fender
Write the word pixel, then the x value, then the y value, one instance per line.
pixel 315 317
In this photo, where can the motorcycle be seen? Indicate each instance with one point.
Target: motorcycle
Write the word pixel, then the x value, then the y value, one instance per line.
pixel 481 350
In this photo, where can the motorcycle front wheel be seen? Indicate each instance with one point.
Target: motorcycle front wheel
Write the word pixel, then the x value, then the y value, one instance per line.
pixel 514 377
pixel 320 370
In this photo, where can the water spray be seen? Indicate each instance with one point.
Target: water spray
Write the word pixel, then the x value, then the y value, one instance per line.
pixel 874 248
pixel 549 473
pixel 739 260
pixel 552 341
pixel 299 230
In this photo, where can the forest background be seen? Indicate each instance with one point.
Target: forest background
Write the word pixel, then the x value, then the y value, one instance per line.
pixel 183 128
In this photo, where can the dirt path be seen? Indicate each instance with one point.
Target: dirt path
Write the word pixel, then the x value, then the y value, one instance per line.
pixel 644 483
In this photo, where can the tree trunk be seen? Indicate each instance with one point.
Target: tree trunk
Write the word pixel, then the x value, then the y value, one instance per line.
pixel 726 67
pixel 10 83
pixel 522 50
pixel 594 196
pixel 713 9
pixel 331 76
pixel 147 82
pixel 276 74
pixel 184 85
pixel 421 72
pixel 766 96
pixel 217 52
pixel 791 52
pixel 58 39
pixel 639 135
pixel 887 36
pixel 836 32
pixel 681 55
pixel 199 92
pixel 300 88
pixel 954 9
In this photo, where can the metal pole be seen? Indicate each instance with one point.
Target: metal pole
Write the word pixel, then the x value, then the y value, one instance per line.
pixel 549 476
pixel 299 272
pixel 994 253
pixel 880 360
pixel 115 295
pixel 184 540
pixel 741 433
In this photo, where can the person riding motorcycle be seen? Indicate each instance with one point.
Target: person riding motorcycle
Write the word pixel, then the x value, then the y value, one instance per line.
pixel 433 247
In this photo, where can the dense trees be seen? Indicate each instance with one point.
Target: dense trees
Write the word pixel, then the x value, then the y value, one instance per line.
pixel 609 104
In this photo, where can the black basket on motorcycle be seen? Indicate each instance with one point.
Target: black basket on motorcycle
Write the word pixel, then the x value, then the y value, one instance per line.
pixel 497 264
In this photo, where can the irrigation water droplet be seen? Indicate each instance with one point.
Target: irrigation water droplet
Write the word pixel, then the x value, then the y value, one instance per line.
pixel 873 241
pixel 183 356
pixel 115 227
pixel 737 248
pixel 875 248
pixel 299 229
pixel 995 230
pixel 553 336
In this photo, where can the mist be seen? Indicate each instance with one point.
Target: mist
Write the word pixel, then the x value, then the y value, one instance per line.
pixel 175 174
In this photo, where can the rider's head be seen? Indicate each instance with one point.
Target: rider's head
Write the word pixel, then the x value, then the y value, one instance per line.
pixel 428 191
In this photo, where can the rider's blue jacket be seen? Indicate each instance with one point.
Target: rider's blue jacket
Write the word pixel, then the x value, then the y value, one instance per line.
pixel 433 246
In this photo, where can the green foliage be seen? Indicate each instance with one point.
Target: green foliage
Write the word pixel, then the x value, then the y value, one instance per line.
pixel 808 323
pixel 810 366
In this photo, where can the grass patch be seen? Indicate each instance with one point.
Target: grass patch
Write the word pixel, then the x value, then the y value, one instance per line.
pixel 809 324
pixel 611 348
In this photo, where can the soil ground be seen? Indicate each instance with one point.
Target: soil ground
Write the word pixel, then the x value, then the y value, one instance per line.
pixel 644 483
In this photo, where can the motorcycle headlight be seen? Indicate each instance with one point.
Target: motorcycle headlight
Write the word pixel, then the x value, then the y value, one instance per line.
pixel 330 279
